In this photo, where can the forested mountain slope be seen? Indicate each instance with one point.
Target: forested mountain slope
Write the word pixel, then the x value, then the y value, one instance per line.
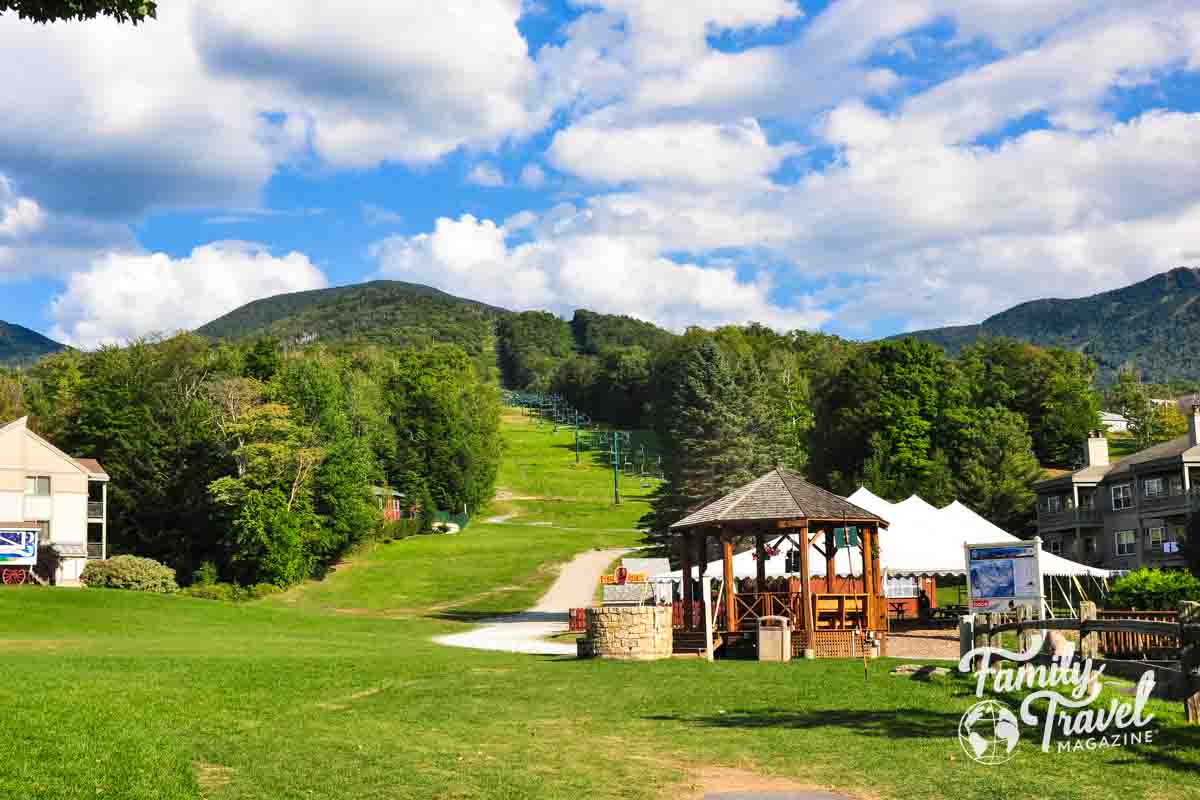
pixel 1154 324
pixel 20 346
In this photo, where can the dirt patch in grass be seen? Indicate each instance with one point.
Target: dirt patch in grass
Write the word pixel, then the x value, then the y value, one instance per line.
pixel 507 496
pixel 38 644
pixel 211 777
pixel 717 780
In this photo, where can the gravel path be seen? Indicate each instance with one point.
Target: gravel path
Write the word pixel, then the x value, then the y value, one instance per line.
pixel 923 643
pixel 525 633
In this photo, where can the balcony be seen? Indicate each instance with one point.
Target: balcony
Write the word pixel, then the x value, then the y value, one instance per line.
pixel 95 550
pixel 95 509
pixel 1178 503
pixel 1055 520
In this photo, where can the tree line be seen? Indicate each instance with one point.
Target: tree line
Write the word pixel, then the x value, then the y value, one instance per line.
pixel 898 416
pixel 258 462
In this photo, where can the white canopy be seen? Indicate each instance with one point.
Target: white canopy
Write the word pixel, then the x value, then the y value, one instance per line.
pixel 919 540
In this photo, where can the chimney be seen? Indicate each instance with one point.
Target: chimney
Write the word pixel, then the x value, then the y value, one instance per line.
pixel 1194 426
pixel 1096 450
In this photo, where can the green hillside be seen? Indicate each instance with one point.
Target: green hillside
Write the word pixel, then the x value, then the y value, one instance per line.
pixel 20 346
pixel 390 313
pixel 1154 324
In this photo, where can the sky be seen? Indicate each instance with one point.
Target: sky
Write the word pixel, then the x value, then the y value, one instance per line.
pixel 858 167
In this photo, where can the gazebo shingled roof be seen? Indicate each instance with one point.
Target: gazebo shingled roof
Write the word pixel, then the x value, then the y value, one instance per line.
pixel 779 495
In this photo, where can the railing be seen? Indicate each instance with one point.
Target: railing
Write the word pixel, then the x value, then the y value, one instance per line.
pixel 95 550
pixel 1118 635
pixel 1134 644
pixel 1160 502
pixel 95 510
pixel 1072 516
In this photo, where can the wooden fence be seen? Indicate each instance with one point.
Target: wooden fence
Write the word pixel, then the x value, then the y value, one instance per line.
pixel 1135 644
pixel 1184 631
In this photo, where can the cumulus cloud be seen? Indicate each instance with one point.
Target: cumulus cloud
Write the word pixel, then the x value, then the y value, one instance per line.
pixel 485 174
pixel 683 153
pixel 582 269
pixel 123 295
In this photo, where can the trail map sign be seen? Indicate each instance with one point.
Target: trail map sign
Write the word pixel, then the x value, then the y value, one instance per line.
pixel 1002 577
pixel 18 547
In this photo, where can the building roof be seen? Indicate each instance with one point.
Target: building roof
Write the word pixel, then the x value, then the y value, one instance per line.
pixel 93 467
pixel 1180 448
pixel 779 495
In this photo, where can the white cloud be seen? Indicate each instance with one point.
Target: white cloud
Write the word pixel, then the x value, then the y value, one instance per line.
pixel 580 269
pixel 406 82
pixel 124 295
pixel 18 215
pixel 484 174
pixel 684 153
pixel 378 215
pixel 532 176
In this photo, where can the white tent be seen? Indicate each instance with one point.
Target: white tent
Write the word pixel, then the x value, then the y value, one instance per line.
pixel 919 540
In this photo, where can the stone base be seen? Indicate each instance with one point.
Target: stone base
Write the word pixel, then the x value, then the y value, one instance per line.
pixel 628 633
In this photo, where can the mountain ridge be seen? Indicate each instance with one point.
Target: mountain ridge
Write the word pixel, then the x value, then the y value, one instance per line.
pixel 21 346
pixel 1164 342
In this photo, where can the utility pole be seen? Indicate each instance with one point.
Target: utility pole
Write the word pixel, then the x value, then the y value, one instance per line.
pixel 616 464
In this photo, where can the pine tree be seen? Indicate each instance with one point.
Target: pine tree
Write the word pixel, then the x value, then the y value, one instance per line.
pixel 705 432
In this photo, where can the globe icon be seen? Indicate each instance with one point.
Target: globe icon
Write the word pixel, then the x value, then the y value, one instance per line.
pixel 989 732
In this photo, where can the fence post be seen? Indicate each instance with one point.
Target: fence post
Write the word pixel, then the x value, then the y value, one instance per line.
pixel 1189 614
pixel 966 634
pixel 1024 637
pixel 982 624
pixel 1088 643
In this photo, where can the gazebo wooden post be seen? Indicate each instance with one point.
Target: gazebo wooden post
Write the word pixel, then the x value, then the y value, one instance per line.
pixel 685 564
pixel 806 586
pixel 876 584
pixel 702 553
pixel 731 620
pixel 864 546
pixel 830 571
pixel 760 550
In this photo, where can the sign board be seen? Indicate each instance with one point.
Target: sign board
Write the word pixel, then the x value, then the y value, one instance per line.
pixel 622 577
pixel 18 547
pixel 1004 576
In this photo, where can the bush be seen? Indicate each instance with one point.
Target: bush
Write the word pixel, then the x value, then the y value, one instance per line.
pixel 231 592
pixel 206 575
pixel 1154 590
pixel 399 529
pixel 130 572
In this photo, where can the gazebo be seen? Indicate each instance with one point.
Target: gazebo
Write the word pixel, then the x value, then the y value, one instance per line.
pixel 779 507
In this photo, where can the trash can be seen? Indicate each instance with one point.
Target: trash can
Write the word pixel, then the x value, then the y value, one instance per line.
pixel 774 639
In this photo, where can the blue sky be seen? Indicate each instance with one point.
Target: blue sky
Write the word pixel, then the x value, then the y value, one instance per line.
pixel 858 167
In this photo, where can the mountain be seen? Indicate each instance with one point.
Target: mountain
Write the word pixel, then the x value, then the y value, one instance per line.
pixel 20 346
pixel 1153 324
pixel 390 313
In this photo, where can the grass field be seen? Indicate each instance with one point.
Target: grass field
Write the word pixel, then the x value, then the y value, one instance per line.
pixel 334 690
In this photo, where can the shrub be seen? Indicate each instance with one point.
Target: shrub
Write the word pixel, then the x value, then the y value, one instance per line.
pixel 400 529
pixel 1153 589
pixel 206 574
pixel 231 592
pixel 130 572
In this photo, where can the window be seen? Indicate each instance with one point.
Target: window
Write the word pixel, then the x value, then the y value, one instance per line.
pixel 1053 503
pixel 37 485
pixel 901 587
pixel 1179 533
pixel 1155 536
pixel 1122 497
pixel 1175 484
pixel 1087 500
pixel 1126 542
pixel 1054 546
pixel 1090 544
pixel 1154 487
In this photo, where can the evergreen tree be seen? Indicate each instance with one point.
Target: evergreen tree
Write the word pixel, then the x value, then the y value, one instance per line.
pixel 704 430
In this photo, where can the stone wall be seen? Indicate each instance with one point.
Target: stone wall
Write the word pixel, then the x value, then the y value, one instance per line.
pixel 631 633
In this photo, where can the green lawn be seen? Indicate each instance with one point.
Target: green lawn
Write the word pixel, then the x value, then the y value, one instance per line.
pixel 335 690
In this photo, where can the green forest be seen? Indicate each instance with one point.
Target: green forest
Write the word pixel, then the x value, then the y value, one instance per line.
pixel 258 464
pixel 900 416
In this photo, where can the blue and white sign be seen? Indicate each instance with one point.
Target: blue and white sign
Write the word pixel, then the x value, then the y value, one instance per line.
pixel 18 547
pixel 1001 577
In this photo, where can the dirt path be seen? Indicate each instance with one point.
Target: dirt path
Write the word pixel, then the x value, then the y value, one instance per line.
pixel 526 633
